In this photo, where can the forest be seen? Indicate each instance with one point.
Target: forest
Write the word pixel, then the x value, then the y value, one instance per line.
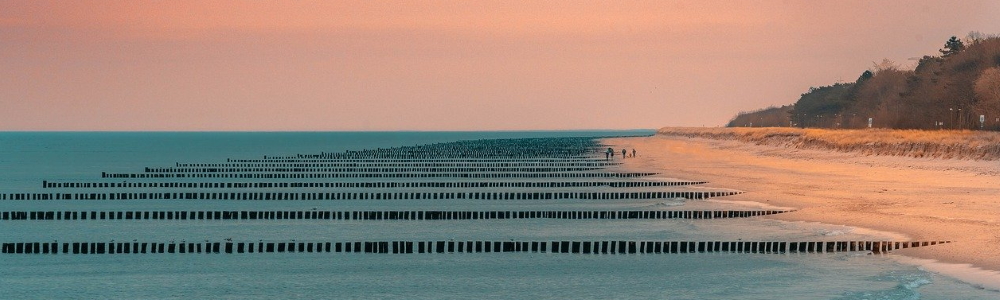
pixel 955 90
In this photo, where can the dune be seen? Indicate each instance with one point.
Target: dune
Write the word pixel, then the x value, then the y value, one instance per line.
pixel 958 144
pixel 923 198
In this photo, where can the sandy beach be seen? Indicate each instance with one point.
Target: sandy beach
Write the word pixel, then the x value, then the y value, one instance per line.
pixel 921 198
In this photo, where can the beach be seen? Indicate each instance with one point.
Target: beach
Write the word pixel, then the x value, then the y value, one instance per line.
pixel 351 228
pixel 921 198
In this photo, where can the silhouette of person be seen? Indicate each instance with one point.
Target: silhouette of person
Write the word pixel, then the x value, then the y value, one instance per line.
pixel 611 153
pixel 623 153
pixel 633 152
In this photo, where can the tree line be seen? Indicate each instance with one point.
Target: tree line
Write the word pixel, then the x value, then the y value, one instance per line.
pixel 954 90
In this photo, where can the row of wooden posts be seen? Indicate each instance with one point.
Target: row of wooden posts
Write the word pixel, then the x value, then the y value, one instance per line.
pixel 369 169
pixel 368 196
pixel 377 175
pixel 481 153
pixel 409 247
pixel 428 163
pixel 405 160
pixel 424 154
pixel 564 147
pixel 371 184
pixel 380 215
pixel 503 149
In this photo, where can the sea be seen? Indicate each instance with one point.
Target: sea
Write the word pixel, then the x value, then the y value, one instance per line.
pixel 29 158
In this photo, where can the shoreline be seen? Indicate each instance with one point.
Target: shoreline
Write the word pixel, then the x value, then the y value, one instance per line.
pixel 922 198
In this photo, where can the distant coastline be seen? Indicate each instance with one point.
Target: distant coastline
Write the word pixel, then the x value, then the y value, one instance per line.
pixel 945 144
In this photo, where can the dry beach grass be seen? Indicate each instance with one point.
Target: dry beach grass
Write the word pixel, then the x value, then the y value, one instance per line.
pixel 850 177
pixel 961 144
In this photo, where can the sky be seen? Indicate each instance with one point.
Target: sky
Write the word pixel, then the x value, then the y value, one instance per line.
pixel 87 65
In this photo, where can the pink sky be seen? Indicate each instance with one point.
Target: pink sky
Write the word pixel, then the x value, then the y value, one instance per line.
pixel 462 65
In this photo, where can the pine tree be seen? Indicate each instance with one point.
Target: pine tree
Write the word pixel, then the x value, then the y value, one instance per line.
pixel 952 46
pixel 865 76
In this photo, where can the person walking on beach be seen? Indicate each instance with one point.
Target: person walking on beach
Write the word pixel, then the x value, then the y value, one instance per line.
pixel 633 152
pixel 607 155
pixel 611 153
pixel 623 152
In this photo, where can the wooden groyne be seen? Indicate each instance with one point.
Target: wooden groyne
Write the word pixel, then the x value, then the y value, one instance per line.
pixel 267 159
pixel 378 175
pixel 417 247
pixel 417 163
pixel 574 147
pixel 371 170
pixel 383 215
pixel 371 184
pixel 513 169
pixel 369 195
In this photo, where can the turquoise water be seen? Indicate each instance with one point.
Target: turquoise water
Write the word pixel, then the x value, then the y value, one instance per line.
pixel 28 158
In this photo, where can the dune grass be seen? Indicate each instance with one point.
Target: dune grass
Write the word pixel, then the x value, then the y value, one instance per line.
pixel 949 144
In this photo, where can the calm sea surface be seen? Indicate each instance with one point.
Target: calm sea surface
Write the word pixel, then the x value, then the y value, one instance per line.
pixel 27 159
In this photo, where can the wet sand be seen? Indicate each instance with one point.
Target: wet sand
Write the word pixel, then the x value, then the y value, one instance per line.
pixel 922 198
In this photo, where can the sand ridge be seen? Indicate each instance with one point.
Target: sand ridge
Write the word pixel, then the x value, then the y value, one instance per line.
pixel 922 198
